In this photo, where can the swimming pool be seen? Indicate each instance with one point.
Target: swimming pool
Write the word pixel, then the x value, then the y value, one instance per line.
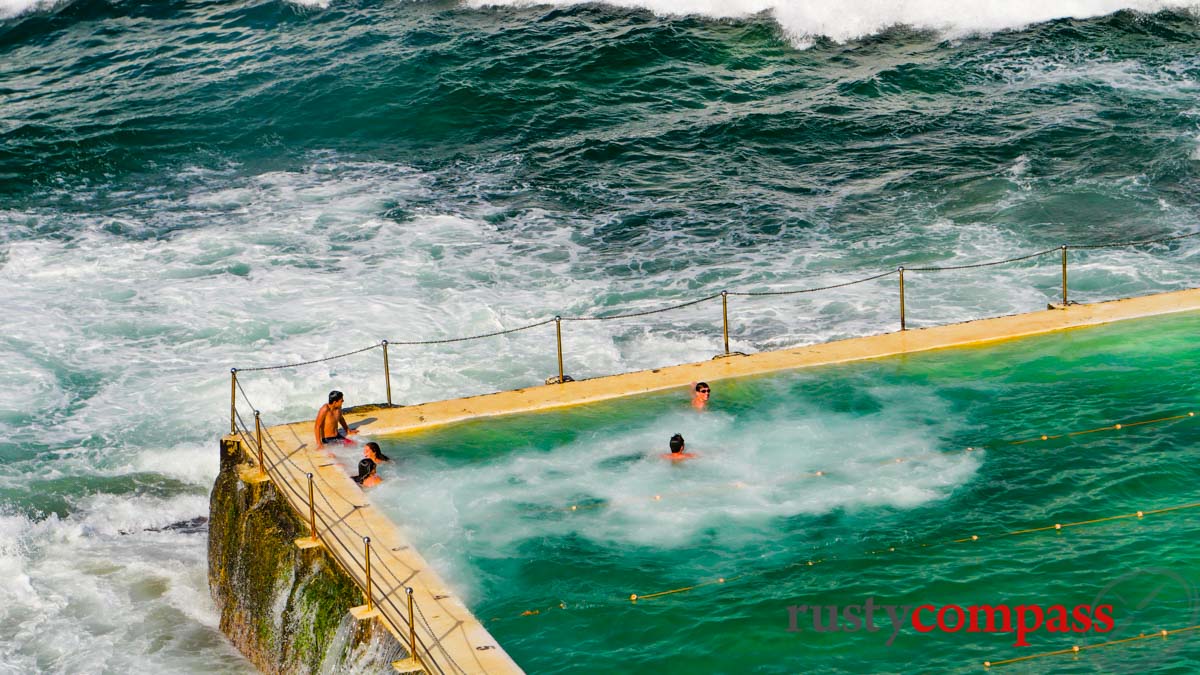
pixel 547 523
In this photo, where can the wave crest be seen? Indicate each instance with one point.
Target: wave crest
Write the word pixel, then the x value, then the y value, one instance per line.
pixel 804 20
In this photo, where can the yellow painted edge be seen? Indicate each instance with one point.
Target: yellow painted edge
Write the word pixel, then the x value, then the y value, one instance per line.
pixel 384 421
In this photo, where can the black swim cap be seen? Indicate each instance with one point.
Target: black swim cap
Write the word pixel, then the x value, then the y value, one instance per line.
pixel 676 443
pixel 335 396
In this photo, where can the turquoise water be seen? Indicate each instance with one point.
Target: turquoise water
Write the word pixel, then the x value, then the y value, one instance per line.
pixel 189 186
pixel 491 502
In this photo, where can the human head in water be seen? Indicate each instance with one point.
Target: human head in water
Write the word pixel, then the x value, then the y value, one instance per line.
pixel 676 444
pixel 366 467
pixel 371 451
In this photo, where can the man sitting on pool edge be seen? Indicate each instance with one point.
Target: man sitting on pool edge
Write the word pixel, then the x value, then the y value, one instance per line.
pixel 677 453
pixel 329 418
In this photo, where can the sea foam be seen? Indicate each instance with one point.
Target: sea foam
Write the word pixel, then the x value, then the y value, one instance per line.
pixel 841 21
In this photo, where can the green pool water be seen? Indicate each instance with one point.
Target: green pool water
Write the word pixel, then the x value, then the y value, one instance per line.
pixel 489 503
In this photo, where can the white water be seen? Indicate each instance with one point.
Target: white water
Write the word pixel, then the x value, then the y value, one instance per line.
pixel 840 21
pixel 846 20
pixel 288 266
pixel 795 457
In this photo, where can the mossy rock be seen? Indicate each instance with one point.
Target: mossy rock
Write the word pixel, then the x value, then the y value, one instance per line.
pixel 285 608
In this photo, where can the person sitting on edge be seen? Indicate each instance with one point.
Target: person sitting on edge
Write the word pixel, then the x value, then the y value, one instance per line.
pixel 700 395
pixel 366 474
pixel 329 417
pixel 372 452
pixel 677 450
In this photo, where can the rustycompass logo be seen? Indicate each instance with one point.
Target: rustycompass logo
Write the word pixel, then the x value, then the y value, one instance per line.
pixel 1020 620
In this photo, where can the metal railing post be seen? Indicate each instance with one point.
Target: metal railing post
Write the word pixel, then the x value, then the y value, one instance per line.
pixel 312 509
pixel 1064 275
pixel 412 626
pixel 262 467
pixel 725 318
pixel 903 325
pixel 367 550
pixel 558 334
pixel 233 400
pixel 387 374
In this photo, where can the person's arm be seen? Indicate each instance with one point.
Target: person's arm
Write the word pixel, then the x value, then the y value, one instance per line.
pixel 342 421
pixel 317 433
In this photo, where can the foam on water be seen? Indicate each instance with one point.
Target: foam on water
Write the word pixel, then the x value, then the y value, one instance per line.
pixel 752 472
pixel 99 588
pixel 851 19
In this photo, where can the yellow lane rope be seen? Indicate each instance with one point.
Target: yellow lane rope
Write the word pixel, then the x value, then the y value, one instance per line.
pixel 1162 634
pixel 973 538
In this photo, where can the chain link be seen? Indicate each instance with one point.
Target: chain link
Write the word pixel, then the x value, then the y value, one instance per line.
pixel 309 363
pixel 1019 258
pixel 645 313
pixel 814 290
pixel 474 337
pixel 1137 243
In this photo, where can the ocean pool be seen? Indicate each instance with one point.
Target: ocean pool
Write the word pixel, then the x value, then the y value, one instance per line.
pixel 546 523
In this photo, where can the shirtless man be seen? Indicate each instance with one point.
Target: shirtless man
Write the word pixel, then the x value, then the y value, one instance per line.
pixel 329 417
pixel 700 394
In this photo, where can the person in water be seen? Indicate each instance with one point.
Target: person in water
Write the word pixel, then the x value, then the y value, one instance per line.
pixel 678 449
pixel 329 418
pixel 700 395
pixel 372 452
pixel 366 474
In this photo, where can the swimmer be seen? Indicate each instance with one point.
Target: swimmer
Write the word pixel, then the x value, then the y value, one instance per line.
pixel 372 452
pixel 366 474
pixel 700 395
pixel 677 453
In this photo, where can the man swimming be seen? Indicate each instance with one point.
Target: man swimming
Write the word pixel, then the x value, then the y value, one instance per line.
pixel 700 395
pixel 678 448
pixel 372 452
pixel 366 474
pixel 329 417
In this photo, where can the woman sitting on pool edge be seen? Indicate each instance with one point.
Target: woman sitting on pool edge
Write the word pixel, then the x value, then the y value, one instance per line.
pixel 677 453
pixel 366 474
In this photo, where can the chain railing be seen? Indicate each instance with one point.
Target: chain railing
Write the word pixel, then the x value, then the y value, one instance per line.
pixel 724 295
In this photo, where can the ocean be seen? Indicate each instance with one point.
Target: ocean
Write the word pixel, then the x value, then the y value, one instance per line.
pixel 187 187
